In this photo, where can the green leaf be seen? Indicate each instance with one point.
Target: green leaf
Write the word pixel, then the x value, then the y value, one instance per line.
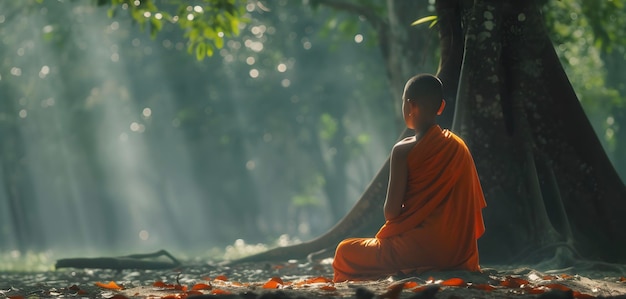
pixel 424 20
pixel 201 50
pixel 219 42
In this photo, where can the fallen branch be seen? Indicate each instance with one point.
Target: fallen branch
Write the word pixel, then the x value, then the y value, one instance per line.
pixel 133 261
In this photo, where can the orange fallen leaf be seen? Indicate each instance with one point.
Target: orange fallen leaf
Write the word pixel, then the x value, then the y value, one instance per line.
pixel 513 282
pixel 194 292
pixel 622 279
pixel 318 279
pixel 410 284
pixel 453 282
pixel 16 297
pixel 422 288
pixel 221 277
pixel 82 292
pixel 328 288
pixel 111 285
pixel 272 284
pixel 220 292
pixel 579 295
pixel 201 286
pixel 160 284
pixel 430 280
pixel 566 276
pixel 174 296
pixel 179 287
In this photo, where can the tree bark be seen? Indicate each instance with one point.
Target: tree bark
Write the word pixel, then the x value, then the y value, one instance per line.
pixel 540 163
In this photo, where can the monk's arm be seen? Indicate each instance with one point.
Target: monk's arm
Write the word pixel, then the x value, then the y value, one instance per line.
pixel 397 181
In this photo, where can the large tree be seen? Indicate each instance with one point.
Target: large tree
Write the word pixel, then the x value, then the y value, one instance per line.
pixel 549 185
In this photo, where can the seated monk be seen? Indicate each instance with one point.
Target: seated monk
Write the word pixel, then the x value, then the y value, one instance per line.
pixel 433 209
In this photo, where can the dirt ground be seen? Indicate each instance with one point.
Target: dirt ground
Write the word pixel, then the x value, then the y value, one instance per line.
pixel 312 280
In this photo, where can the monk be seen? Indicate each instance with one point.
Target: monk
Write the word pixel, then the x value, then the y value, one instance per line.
pixel 433 208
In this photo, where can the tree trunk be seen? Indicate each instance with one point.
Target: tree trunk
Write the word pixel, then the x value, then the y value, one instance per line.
pixel 545 175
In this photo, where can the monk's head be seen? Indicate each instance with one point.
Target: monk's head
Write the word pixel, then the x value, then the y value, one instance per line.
pixel 422 101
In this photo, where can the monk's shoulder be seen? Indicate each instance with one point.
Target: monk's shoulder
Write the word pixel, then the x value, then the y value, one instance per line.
pixel 454 138
pixel 404 146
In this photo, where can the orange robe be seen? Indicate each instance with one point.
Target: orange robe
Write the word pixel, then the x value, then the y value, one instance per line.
pixel 440 222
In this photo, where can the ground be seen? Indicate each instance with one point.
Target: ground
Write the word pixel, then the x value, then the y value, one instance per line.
pixel 301 279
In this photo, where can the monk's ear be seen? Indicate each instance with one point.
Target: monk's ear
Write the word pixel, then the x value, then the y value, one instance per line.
pixel 443 105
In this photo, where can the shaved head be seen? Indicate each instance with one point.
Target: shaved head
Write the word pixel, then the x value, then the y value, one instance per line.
pixel 425 90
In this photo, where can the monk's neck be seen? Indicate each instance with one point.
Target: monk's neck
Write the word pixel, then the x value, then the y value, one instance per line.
pixel 419 133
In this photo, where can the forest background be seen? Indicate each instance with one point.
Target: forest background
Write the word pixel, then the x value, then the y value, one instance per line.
pixel 116 140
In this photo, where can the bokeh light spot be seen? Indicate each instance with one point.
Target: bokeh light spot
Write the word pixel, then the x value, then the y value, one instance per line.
pixel 144 235
pixel 146 112
pixel 358 38
pixel 285 83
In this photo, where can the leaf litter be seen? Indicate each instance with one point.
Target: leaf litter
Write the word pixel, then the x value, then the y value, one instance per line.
pixel 304 280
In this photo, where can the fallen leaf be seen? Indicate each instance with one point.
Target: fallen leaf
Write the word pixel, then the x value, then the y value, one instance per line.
pixel 220 292
pixel 110 286
pixel 318 279
pixel 453 282
pixel 272 284
pixel 194 292
pixel 580 295
pixel 513 282
pixel 328 288
pixel 16 297
pixel 160 284
pixel 410 284
pixel 201 286
pixel 221 277
pixel 180 287
pixel 622 279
